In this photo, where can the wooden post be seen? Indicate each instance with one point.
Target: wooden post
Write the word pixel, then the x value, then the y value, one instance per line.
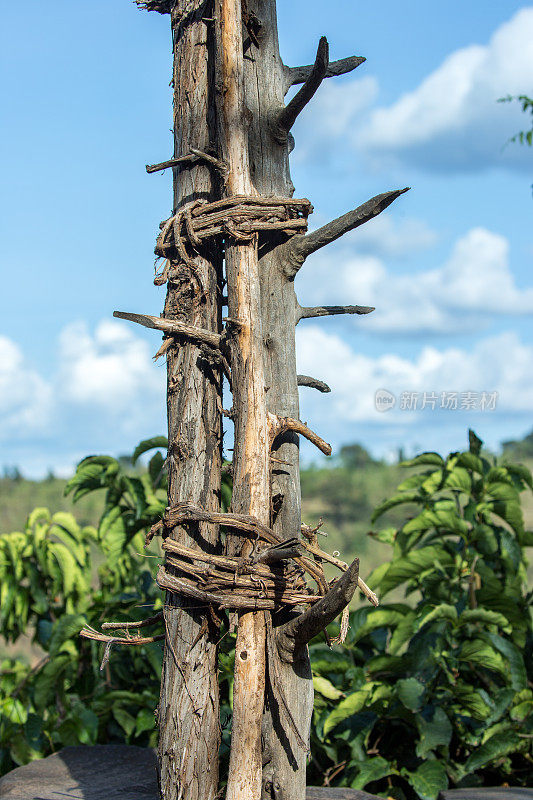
pixel 251 454
pixel 227 66
pixel 188 713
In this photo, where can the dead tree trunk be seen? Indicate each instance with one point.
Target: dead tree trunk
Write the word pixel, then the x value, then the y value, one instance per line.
pixel 188 713
pixel 227 65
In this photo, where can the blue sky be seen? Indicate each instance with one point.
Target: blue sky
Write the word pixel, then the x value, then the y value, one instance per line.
pixel 87 104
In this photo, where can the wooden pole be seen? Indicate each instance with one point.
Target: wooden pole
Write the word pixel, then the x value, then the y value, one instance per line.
pixel 227 64
pixel 251 454
pixel 188 713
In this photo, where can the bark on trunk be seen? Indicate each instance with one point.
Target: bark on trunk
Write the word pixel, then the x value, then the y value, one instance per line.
pixel 251 454
pixel 284 758
pixel 189 706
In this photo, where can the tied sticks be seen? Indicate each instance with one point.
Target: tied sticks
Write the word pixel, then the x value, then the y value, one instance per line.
pixel 259 235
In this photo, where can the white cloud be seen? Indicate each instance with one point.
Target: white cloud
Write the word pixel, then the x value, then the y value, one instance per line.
pixel 106 369
pixel 331 115
pixel 25 397
pixel 452 119
pixel 104 395
pixel 388 237
pixel 499 364
pixel 474 284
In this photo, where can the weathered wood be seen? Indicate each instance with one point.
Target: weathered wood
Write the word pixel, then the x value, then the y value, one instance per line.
pixel 251 454
pixel 283 119
pixel 300 247
pixel 172 326
pixel 328 311
pixel 190 158
pixel 188 714
pixel 279 425
pixel 295 75
pixel 296 633
pixel 284 759
pixel 313 383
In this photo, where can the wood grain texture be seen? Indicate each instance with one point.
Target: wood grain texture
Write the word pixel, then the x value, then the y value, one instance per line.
pixel 284 759
pixel 188 712
pixel 251 453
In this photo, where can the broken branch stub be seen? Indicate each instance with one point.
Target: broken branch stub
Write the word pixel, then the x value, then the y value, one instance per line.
pixel 279 425
pixel 300 247
pixel 296 633
pixel 313 383
pixel 327 311
pixel 283 120
pixel 295 75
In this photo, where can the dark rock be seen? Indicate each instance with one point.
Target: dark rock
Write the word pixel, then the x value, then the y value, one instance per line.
pixel 109 772
pixel 102 772
pixel 119 772
pixel 484 793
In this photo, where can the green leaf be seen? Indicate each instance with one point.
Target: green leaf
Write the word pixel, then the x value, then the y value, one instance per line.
pixel 69 569
pixel 378 618
pixel 113 534
pixel 80 727
pixel 435 730
pixel 66 627
pixel 396 500
pixel 458 479
pixel 372 770
pixel 475 443
pixel 486 617
pixel 470 461
pixel 444 611
pixel 479 652
pixel 424 458
pixel 326 688
pixel 125 720
pixel 514 660
pixel 145 721
pixel 38 515
pixel 471 701
pixel 411 565
pixel 402 633
pixel 87 478
pixel 410 691
pixel 519 712
pixel 501 490
pixel 49 678
pixel 428 780
pixel 494 748
pixel 155 468
pixel 347 707
pixel 522 472
pixel 510 513
pixel 149 444
pixel 13 710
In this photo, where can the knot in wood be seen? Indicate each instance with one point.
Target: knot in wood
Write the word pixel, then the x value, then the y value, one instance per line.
pixel 239 218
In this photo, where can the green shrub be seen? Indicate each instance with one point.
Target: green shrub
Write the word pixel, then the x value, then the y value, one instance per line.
pixel 54 578
pixel 430 690
pixel 433 691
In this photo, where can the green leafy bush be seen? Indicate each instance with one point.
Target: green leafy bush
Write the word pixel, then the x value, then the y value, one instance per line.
pixel 433 690
pixel 54 578
pixel 430 690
